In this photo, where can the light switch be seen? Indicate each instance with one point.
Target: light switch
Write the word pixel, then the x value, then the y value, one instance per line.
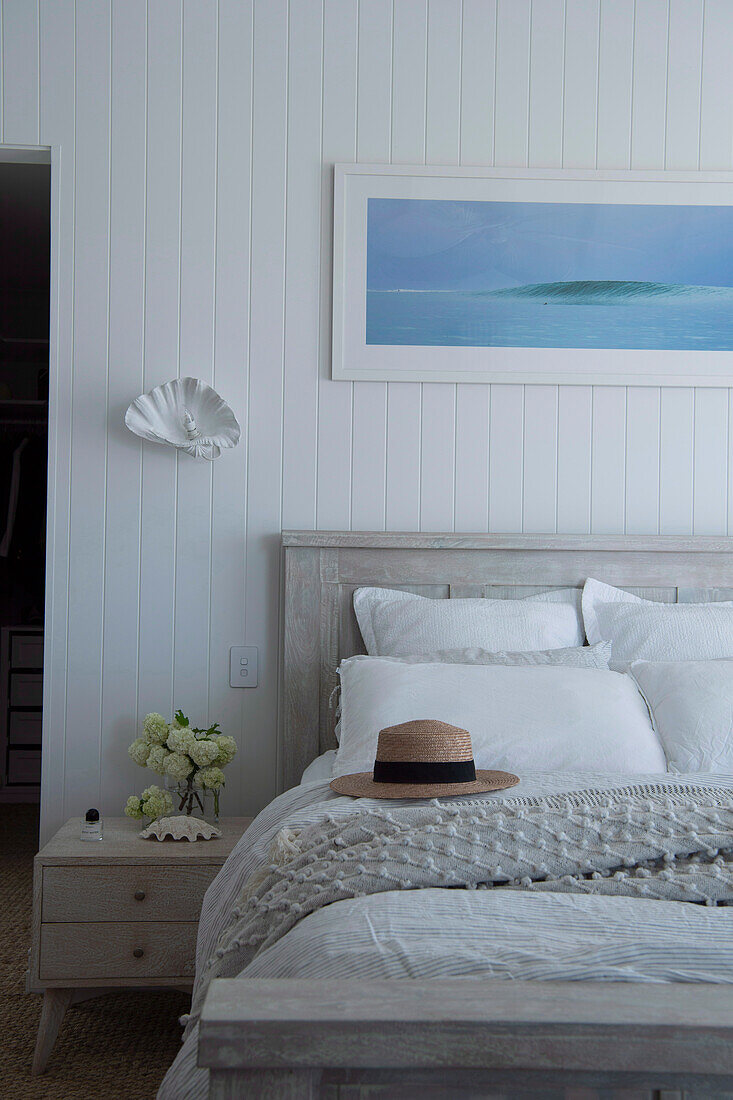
pixel 243 666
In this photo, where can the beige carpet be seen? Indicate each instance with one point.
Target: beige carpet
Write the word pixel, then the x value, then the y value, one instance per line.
pixel 116 1047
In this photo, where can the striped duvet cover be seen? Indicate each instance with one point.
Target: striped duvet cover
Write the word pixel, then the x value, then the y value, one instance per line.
pixel 459 933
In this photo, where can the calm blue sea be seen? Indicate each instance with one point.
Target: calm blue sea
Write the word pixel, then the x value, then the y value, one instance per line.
pixel 673 321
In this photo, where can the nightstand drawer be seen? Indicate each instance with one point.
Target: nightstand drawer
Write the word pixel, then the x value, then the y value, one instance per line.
pixel 133 893
pixel 91 951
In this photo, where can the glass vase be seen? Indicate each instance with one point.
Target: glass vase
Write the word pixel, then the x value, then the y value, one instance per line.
pixel 190 799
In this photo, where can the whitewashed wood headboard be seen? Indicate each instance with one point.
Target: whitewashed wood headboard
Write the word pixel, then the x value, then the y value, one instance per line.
pixel 322 569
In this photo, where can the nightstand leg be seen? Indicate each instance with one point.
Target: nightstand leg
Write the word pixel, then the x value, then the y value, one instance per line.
pixel 55 1003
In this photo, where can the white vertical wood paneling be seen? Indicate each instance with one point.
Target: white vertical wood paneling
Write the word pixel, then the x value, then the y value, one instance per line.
pixel 710 500
pixel 204 246
pixel 684 67
pixel 407 122
pixel 546 81
pixel 335 399
pixel 57 49
pixel 157 582
pixel 649 93
pixel 506 457
pixel 608 460
pixel 437 462
pixel 574 439
pixel 477 81
pixel 642 460
pixel 716 106
pixel 302 327
pixel 512 82
pixel 580 99
pixel 266 346
pixel 539 471
pixel 615 75
pixel 373 143
pixel 472 458
pixel 231 370
pixel 676 461
pixel 196 351
pixel 124 453
pixel 20 77
pixel 409 54
pixel 85 658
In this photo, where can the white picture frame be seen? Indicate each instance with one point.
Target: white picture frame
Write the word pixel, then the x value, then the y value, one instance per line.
pixel 353 358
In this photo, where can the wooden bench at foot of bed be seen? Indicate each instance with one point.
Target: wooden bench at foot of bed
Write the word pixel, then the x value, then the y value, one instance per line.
pixel 278 1039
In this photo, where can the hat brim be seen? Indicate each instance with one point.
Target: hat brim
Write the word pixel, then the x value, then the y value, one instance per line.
pixel 362 785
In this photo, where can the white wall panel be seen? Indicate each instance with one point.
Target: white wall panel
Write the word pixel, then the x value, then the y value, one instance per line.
pixel 642 460
pixel 580 86
pixel 546 81
pixel 196 147
pixel 231 374
pixel 87 581
pixel 126 331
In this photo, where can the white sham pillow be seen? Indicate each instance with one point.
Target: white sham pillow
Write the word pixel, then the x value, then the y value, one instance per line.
pixel 521 719
pixel 646 630
pixel 401 624
pixel 691 704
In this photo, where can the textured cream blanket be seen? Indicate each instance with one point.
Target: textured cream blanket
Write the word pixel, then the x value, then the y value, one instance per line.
pixel 645 841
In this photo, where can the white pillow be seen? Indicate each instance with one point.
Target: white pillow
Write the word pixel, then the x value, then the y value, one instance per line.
pixel 400 624
pixel 520 719
pixel 646 630
pixel 692 709
pixel 584 656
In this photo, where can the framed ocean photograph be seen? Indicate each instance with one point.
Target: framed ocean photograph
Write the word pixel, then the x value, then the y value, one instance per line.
pixel 513 275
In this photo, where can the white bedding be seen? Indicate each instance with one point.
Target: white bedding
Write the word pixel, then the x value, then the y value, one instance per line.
pixel 452 933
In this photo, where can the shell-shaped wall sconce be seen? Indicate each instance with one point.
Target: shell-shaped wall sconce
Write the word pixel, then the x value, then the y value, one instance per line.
pixel 185 413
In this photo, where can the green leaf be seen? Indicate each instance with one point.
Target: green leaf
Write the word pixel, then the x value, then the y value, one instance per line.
pixel 180 717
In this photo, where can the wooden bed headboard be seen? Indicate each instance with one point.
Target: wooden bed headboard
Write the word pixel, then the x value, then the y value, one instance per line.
pixel 322 569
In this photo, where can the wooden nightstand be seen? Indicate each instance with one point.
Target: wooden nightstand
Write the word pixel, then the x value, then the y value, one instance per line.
pixel 117 912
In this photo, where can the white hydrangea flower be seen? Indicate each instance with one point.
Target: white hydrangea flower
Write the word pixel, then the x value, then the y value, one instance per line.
pixel 156 802
pixel 178 765
pixel 180 739
pixel 133 807
pixel 139 750
pixel 213 778
pixel 203 752
pixel 157 758
pixel 155 729
pixel 227 747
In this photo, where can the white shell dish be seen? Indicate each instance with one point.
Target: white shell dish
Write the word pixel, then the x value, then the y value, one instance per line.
pixel 185 413
pixel 180 828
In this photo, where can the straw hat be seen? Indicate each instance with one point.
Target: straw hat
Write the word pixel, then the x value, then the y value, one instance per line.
pixel 423 759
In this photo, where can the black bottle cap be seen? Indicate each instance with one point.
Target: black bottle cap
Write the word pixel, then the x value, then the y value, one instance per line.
pixel 92 815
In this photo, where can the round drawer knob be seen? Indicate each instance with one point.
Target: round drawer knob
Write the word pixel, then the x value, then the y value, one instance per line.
pixel 138 952
pixel 139 895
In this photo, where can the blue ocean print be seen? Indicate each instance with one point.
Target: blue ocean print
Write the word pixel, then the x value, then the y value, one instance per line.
pixel 549 275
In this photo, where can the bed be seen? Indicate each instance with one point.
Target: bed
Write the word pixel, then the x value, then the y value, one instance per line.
pixel 368 996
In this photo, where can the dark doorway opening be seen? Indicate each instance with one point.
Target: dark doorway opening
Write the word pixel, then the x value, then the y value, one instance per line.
pixel 25 252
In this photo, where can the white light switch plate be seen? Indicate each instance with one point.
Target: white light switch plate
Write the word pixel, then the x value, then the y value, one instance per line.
pixel 243 666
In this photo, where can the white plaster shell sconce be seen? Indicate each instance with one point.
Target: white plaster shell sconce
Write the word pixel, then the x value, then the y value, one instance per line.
pixel 187 414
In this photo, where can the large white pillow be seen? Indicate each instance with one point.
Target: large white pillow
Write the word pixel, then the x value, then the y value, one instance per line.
pixel 521 719
pixel 401 624
pixel 584 656
pixel 692 709
pixel 646 630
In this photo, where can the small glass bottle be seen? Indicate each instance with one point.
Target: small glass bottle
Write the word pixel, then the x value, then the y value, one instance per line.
pixel 92 827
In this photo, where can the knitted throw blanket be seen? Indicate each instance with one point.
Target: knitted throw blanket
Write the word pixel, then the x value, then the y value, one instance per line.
pixel 647 841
